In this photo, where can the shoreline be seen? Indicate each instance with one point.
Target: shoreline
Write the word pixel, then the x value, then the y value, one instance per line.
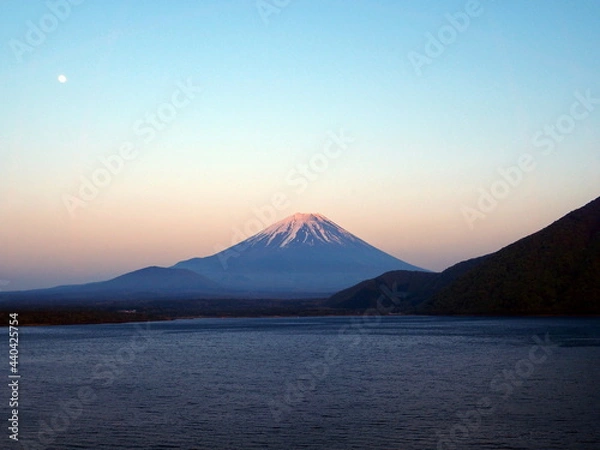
pixel 91 317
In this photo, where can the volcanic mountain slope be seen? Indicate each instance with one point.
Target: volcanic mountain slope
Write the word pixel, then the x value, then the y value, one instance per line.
pixel 304 253
pixel 149 282
pixel 157 279
pixel 303 256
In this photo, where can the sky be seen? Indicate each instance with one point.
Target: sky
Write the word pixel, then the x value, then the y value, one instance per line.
pixel 145 133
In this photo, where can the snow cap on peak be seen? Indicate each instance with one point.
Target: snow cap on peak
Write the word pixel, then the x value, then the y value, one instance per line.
pixel 306 217
pixel 303 229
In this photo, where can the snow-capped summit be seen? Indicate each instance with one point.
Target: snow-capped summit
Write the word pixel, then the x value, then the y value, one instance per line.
pixel 301 254
pixel 303 229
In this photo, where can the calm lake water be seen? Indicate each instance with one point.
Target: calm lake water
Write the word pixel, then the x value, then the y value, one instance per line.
pixel 312 383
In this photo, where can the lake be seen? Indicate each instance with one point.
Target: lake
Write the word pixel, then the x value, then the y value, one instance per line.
pixel 312 383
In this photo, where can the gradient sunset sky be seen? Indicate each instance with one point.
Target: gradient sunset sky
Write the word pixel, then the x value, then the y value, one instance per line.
pixel 214 108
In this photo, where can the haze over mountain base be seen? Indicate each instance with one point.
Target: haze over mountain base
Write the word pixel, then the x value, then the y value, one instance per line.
pixel 552 272
pixel 302 254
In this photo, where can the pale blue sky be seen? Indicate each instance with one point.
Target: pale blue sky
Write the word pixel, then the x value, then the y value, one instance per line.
pixel 271 93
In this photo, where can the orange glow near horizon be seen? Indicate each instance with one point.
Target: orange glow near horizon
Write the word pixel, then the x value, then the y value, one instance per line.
pixel 100 246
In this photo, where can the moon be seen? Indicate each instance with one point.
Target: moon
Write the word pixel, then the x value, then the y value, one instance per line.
pixel 62 79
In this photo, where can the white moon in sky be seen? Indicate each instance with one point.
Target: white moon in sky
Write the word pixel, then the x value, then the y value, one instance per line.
pixel 62 79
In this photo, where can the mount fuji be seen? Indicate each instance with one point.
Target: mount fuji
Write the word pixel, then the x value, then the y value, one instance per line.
pixel 302 254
